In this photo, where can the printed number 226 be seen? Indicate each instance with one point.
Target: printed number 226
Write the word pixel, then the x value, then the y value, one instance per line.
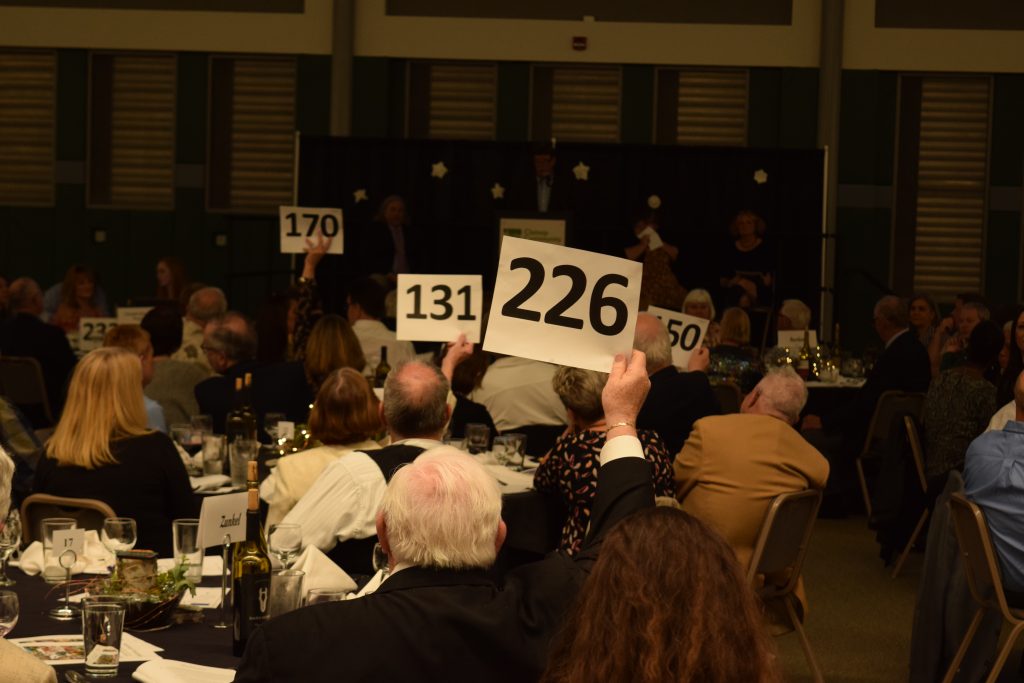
pixel 577 287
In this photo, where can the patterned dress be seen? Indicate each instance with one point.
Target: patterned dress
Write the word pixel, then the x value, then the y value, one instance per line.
pixel 571 470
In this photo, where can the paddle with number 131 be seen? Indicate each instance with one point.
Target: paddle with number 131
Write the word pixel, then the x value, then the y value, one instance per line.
pixel 563 305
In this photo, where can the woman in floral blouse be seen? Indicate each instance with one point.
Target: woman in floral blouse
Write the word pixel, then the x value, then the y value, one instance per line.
pixel 571 467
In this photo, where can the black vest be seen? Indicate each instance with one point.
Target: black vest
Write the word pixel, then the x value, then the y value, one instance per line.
pixel 355 556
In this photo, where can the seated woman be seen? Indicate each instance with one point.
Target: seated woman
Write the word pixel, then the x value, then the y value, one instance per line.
pixel 699 304
pixel 748 263
pixel 924 317
pixel 344 419
pixel 659 285
pixel 172 281
pixel 571 467
pixel 101 449
pixel 793 315
pixel 959 404
pixel 77 299
pixel 733 360
pixel 645 618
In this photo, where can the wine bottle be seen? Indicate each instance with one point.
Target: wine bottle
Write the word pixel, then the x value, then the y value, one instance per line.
pixel 380 374
pixel 248 414
pixel 234 423
pixel 803 361
pixel 250 572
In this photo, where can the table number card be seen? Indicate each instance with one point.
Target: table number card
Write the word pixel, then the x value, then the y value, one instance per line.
pixel 69 539
pixel 561 305
pixel 299 223
pixel 439 307
pixel 686 333
pixel 132 315
pixel 92 330
pixel 222 516
pixel 794 339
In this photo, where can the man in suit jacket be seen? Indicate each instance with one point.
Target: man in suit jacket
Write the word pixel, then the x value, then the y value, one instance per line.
pixel 733 465
pixel 229 343
pixel 25 334
pixel 677 399
pixel 542 191
pixel 439 617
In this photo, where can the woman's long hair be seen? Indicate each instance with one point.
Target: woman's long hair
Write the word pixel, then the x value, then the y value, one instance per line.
pixel 665 602
pixel 179 280
pixel 331 345
pixel 69 288
pixel 104 403
pixel 345 409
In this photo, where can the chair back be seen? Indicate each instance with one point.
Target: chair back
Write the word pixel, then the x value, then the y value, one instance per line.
pixel 891 405
pixel 728 395
pixel 785 534
pixel 981 566
pixel 88 513
pixel 916 450
pixel 21 383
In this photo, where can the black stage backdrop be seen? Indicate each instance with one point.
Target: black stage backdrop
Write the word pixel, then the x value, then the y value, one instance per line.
pixel 453 219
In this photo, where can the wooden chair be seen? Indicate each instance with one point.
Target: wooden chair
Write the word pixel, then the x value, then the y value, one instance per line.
pixel 729 397
pixel 779 552
pixel 891 405
pixel 88 513
pixel 981 567
pixel 21 383
pixel 918 454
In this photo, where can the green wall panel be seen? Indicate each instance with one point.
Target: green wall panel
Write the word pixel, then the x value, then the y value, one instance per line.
pixel 1007 161
pixel 867 127
pixel 783 108
pixel 72 81
pixel 638 104
pixel 513 101
pixel 190 115
pixel 370 89
pixel 313 95
pixel 862 260
pixel 1002 257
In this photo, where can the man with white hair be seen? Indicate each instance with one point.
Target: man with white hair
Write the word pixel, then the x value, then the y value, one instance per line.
pixel 439 616
pixel 733 465
pixel 15 663
pixel 677 399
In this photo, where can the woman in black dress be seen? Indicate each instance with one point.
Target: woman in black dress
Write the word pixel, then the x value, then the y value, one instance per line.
pixel 748 263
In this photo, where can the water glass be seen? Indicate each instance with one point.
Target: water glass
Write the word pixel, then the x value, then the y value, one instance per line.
pixel 53 572
pixel 503 450
pixel 213 453
pixel 318 595
pixel 285 541
pixel 517 449
pixel 8 612
pixel 242 451
pixel 102 624
pixel 478 437
pixel 285 591
pixel 10 541
pixel 185 539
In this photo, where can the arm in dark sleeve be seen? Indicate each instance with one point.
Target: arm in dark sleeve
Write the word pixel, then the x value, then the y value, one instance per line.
pixel 623 487
pixel 305 317
pixel 181 501
pixel 254 666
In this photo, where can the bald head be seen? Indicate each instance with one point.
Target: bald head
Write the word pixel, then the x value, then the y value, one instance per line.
pixel 652 338
pixel 415 402
pixel 206 304
pixel 228 340
pixel 25 296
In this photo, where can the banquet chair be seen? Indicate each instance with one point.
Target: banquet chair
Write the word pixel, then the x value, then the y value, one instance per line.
pixel 891 405
pixel 88 513
pixel 917 452
pixel 728 395
pixel 779 557
pixel 21 383
pixel 984 581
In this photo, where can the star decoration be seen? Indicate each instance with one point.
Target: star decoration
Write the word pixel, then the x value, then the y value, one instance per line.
pixel 498 192
pixel 760 176
pixel 360 195
pixel 581 171
pixel 654 201
pixel 438 170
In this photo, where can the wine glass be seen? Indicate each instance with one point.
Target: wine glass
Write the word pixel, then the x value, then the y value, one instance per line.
pixel 118 533
pixel 8 612
pixel 10 539
pixel 285 541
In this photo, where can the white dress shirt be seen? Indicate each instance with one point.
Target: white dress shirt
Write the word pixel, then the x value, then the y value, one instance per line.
pixel 517 392
pixel 343 502
pixel 296 473
pixel 372 335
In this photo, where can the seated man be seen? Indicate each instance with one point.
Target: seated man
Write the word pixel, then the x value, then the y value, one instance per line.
pixel 677 399
pixel 338 512
pixel 992 479
pixel 136 340
pixel 733 465
pixel 229 344
pixel 517 393
pixel 204 306
pixel 438 616
pixel 174 381
pixel 365 310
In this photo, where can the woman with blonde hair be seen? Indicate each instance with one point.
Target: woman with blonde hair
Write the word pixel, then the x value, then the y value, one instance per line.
pixel 699 304
pixel 344 419
pixel 331 345
pixel 101 449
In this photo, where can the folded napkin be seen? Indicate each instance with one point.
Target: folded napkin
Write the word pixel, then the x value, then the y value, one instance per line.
pixel 511 481
pixel 95 560
pixel 210 482
pixel 321 572
pixel 172 671
pixel 213 565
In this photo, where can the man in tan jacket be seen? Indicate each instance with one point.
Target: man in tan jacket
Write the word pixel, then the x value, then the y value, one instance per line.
pixel 733 465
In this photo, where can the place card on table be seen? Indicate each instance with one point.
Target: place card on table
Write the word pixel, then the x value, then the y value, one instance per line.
pixel 222 519
pixel 91 332
pixel 685 332
pixel 794 339
pixel 57 650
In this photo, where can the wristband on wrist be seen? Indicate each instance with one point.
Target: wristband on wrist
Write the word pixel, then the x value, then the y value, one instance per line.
pixel 620 424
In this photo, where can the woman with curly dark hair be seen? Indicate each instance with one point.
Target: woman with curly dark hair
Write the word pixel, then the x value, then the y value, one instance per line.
pixel 665 601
